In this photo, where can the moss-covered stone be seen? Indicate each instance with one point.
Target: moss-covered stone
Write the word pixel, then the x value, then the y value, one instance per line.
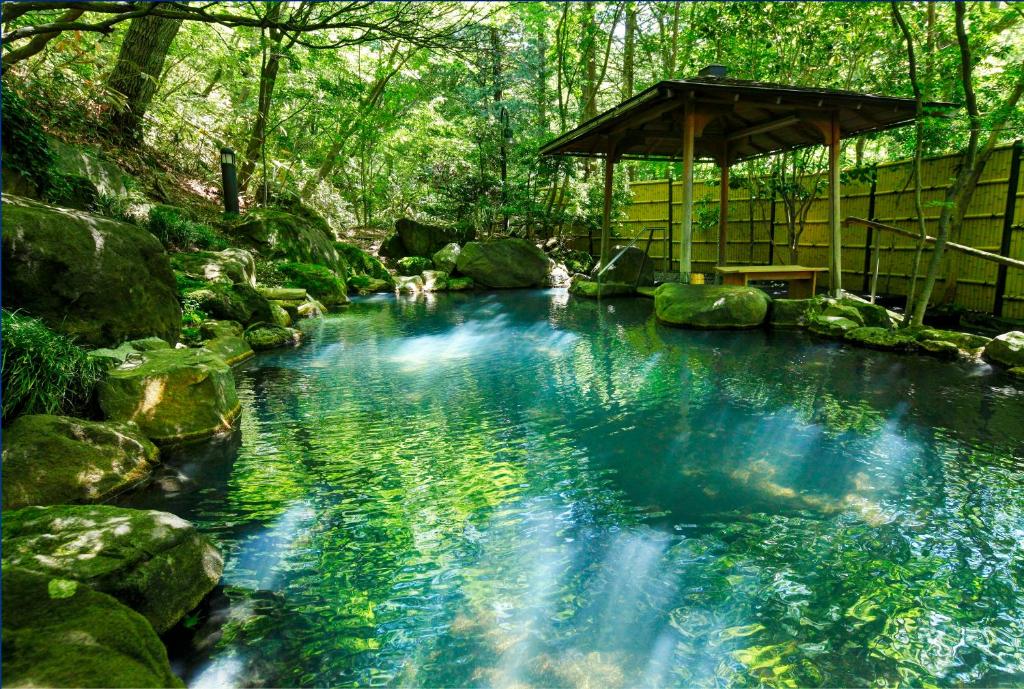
pixel 363 263
pixel 871 315
pixel 153 562
pixel 75 160
pixel 362 284
pixel 284 293
pixel 831 326
pixel 148 344
pixel 882 338
pixel 838 310
pixel 238 302
pixel 446 258
pixel 504 263
pixel 939 348
pixel 793 313
pixel 420 239
pixel 211 328
pixel 318 281
pixel 310 308
pixel 173 395
pixel 630 266
pixel 710 306
pixel 230 265
pixel 110 358
pixel 392 247
pixel 965 341
pixel 261 336
pixel 98 279
pixel 1006 349
pixel 460 284
pixel 278 234
pixel 233 349
pixel 60 633
pixel 435 280
pixel 581 287
pixel 413 265
pixel 409 284
pixel 49 460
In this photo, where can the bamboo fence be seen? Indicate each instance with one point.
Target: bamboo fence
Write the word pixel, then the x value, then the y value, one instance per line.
pixel 759 234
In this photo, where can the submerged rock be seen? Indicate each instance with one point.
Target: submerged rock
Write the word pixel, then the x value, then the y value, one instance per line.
pixel 710 306
pixel 261 336
pixel 233 349
pixel 172 395
pixel 230 265
pixel 154 562
pixel 793 313
pixel 413 265
pixel 631 264
pixel 446 258
pixel 1006 349
pixel 882 338
pixel 49 460
pixel 581 287
pixel 98 279
pixel 504 263
pixel 60 633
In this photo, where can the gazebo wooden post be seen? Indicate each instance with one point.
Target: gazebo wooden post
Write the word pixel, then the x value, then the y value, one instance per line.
pixel 723 206
pixel 835 273
pixel 686 239
pixel 606 220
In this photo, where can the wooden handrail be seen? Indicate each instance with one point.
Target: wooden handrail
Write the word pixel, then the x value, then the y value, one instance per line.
pixel 986 255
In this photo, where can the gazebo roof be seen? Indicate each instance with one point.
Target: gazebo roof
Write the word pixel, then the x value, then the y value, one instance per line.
pixel 752 118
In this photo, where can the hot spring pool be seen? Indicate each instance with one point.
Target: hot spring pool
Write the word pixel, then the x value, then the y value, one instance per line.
pixel 523 490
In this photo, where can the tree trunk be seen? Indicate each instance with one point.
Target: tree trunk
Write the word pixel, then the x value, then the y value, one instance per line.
pixel 268 79
pixel 629 52
pixel 39 42
pixel 137 72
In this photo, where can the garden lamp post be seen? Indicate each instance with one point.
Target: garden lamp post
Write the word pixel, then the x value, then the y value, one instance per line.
pixel 229 179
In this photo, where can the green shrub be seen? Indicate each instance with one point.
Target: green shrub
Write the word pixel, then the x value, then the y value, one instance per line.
pixel 114 206
pixel 178 232
pixel 191 318
pixel 319 281
pixel 26 149
pixel 43 372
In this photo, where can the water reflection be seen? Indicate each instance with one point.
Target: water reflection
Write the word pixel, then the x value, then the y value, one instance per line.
pixel 523 490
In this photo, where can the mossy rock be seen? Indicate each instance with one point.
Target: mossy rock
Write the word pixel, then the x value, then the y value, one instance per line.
pixel 592 290
pixel 831 326
pixel 211 328
pixel 838 310
pixel 435 280
pixel 109 358
pixel 461 284
pixel 362 262
pixel 882 338
pixel 262 336
pixel 447 257
pixel 392 247
pixel 105 176
pixel 413 265
pixel 409 284
pixel 233 349
pixel 60 633
pixel 148 344
pixel 238 302
pixel 362 284
pixel 230 265
pixel 966 341
pixel 49 460
pixel 872 315
pixel 318 281
pixel 173 396
pixel 793 313
pixel 153 562
pixel 632 264
pixel 710 306
pixel 504 263
pixel 421 239
pixel 97 279
pixel 939 348
pixel 1006 349
pixel 73 191
pixel 279 314
pixel 278 234
pixel 283 293
pixel 311 308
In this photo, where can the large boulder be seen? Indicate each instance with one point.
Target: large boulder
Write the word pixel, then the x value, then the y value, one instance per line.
pixel 413 265
pixel 233 349
pixel 420 239
pixel 883 338
pixel 301 239
pixel 710 306
pixel 362 262
pixel 49 460
pixel 446 258
pixel 153 562
pixel 60 633
pixel 230 265
pixel 633 263
pixel 239 302
pixel 793 313
pixel 174 395
pixel 98 279
pixel 319 281
pixel 76 161
pixel 1006 350
pixel 261 336
pixel 504 263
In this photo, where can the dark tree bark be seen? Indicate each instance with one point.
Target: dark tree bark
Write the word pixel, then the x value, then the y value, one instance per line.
pixel 38 42
pixel 137 73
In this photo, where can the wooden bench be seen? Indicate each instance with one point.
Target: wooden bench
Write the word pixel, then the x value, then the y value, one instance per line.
pixel 802 280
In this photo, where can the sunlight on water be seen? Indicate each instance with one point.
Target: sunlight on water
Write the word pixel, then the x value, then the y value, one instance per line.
pixel 527 490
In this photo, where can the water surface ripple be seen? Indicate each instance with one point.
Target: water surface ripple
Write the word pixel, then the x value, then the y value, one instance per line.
pixel 519 490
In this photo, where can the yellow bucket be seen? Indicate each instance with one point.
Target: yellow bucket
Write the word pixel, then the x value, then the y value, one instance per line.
pixel 696 278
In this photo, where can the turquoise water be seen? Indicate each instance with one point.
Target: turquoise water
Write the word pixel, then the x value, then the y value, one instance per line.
pixel 523 490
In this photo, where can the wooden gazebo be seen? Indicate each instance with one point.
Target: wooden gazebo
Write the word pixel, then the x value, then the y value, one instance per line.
pixel 717 118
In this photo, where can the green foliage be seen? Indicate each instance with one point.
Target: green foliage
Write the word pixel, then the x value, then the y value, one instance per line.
pixel 177 232
pixel 25 147
pixel 115 207
pixel 43 372
pixel 191 318
pixel 268 274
